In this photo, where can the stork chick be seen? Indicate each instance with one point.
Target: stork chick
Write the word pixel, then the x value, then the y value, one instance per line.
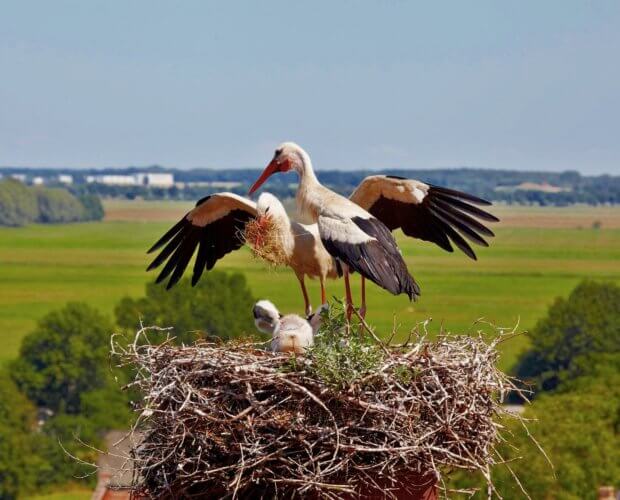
pixel 290 333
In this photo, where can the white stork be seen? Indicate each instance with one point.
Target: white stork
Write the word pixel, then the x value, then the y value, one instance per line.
pixel 357 231
pixel 349 233
pixel 216 226
pixel 290 333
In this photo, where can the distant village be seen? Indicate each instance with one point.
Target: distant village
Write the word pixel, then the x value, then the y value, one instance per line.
pixel 139 179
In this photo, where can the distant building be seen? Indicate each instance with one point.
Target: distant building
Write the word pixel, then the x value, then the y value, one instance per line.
pixel 155 180
pixel 65 179
pixel 38 181
pixel 139 179
pixel 18 177
pixel 215 184
pixel 543 187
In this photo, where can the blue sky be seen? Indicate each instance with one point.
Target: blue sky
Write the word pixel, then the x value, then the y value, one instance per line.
pixel 359 84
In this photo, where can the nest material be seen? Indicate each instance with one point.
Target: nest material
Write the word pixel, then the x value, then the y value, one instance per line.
pixel 265 241
pixel 234 420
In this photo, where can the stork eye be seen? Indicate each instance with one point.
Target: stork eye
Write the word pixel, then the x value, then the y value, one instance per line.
pixel 277 153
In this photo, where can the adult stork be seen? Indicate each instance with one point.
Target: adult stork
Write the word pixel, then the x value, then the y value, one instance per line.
pixel 356 238
pixel 216 226
pixel 424 211
pixel 421 210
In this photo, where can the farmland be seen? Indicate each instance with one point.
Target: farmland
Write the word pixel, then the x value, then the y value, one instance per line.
pixel 538 254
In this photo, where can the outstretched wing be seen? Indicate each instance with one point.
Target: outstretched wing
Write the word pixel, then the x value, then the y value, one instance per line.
pixel 424 211
pixel 215 226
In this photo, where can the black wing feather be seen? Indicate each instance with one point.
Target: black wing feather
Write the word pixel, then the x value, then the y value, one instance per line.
pixel 378 260
pixel 214 240
pixel 444 216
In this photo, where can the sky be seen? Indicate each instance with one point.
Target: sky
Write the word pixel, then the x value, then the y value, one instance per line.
pixel 359 84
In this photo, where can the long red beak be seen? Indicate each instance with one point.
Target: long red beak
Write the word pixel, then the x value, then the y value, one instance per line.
pixel 271 169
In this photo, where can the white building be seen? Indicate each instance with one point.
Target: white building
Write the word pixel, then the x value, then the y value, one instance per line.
pixel 18 177
pixel 38 181
pixel 139 179
pixel 155 179
pixel 65 179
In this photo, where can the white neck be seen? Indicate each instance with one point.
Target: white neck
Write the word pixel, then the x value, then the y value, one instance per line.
pixel 306 191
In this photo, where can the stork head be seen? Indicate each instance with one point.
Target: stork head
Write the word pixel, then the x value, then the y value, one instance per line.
pixel 268 205
pixel 266 317
pixel 288 156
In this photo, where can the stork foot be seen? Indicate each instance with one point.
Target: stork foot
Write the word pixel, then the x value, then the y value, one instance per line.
pixel 362 312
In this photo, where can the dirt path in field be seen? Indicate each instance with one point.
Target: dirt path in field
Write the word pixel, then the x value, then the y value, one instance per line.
pixel 573 217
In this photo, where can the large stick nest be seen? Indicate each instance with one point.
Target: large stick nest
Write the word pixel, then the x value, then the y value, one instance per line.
pixel 351 417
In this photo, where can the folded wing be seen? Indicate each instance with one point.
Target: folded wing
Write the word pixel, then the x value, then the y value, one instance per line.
pixel 215 226
pixel 431 213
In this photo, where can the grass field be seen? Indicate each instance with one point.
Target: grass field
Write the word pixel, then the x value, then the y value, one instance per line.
pixel 538 254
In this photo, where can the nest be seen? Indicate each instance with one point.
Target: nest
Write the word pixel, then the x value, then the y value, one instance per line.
pixel 265 241
pixel 352 419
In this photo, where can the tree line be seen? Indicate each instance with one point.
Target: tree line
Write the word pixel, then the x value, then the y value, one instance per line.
pixel 491 184
pixel 21 205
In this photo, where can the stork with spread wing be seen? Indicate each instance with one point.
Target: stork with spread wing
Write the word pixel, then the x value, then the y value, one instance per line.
pixel 216 227
pixel 357 231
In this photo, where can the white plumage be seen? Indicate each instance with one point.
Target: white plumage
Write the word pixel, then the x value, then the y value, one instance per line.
pixel 290 333
pixel 216 226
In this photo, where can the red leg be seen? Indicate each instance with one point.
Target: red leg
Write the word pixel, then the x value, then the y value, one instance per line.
pixel 347 288
pixel 305 292
pixel 363 306
pixel 323 297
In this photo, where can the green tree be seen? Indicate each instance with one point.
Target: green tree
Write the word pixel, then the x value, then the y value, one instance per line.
pixel 93 209
pixel 220 304
pixel 18 204
pixel 65 357
pixel 578 427
pixel 580 431
pixel 18 462
pixel 58 205
pixel 575 336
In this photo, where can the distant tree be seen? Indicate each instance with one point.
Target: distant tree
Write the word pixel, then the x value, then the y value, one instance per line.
pixel 18 204
pixel 64 358
pixel 577 334
pixel 58 205
pixel 93 209
pixel 220 304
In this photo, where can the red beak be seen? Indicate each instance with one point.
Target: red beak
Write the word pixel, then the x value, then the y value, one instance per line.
pixel 271 169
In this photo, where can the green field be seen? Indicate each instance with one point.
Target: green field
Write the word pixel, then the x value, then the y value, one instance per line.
pixel 44 266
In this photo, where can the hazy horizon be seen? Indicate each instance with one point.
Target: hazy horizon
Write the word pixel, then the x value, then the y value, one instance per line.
pixel 360 85
pixel 404 168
